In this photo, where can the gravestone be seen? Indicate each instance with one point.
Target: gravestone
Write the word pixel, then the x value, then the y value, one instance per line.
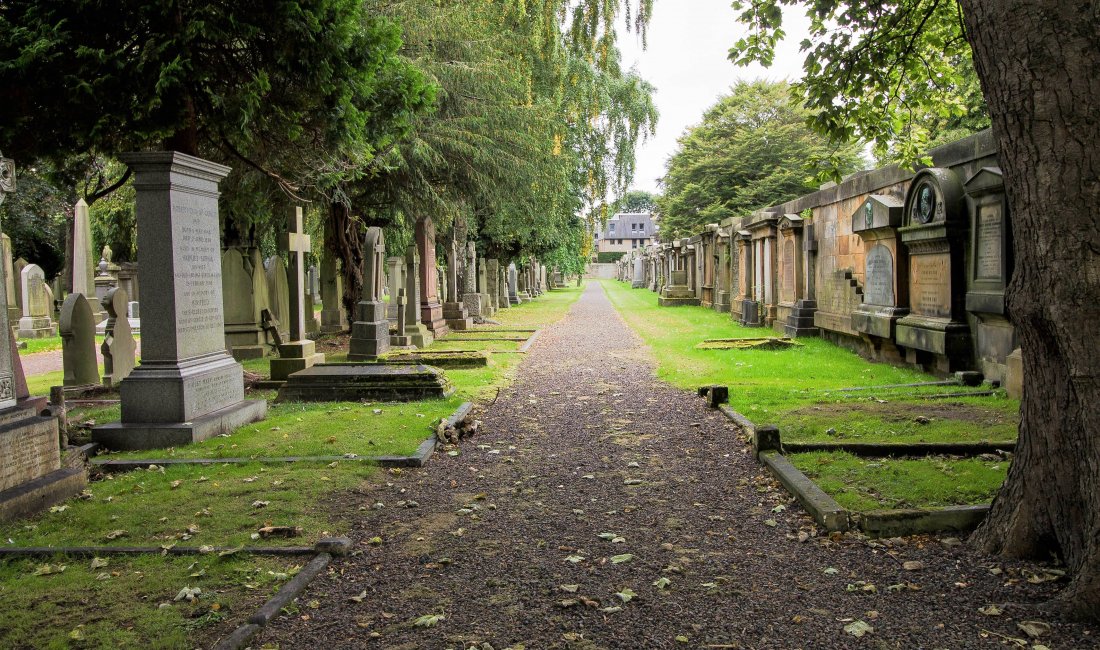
pixel 332 294
pixel 677 293
pixel 297 353
pixel 487 309
pixel 278 291
pixel 885 289
pixel 395 270
pixel 83 259
pixel 638 281
pixel 990 269
pixel 17 280
pixel 370 333
pixel 492 286
pixel 454 310
pixel 119 348
pixel 420 336
pixel 935 333
pixel 502 288
pixel 431 311
pixel 244 338
pixel 513 284
pixel 187 387
pixel 314 284
pixel 77 328
pixel 470 297
pixel 32 475
pixel 36 322
pixel 400 339
pixel 15 310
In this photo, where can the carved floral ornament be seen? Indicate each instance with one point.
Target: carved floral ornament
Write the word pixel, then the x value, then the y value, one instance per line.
pixel 7 176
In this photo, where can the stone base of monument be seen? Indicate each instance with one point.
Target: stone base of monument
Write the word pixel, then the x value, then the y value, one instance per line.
pixel 295 356
pixel 36 328
pixel 33 476
pixel 677 296
pixel 877 321
pixel 456 316
pixel 948 342
pixel 431 317
pixel 242 352
pixel 750 314
pixel 440 358
pixel 419 335
pixel 800 322
pixel 370 333
pixel 127 436
pixel 523 297
pixel 354 382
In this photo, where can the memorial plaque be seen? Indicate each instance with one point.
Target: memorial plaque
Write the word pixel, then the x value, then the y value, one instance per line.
pixel 788 274
pixel 930 284
pixel 989 243
pixel 879 277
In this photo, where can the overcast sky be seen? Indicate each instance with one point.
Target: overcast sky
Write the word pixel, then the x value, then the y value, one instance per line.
pixel 685 59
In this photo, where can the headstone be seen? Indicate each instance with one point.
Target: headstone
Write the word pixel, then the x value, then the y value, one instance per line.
pixel 513 282
pixel 990 269
pixel 17 280
pixel 470 297
pixel 278 290
pixel 31 473
pixel 77 329
pixel 638 281
pixel 15 310
pixel 454 310
pixel 487 309
pixel 332 295
pixel 82 256
pixel 119 348
pixel 187 387
pixel 400 339
pixel 314 284
pixel 261 297
pixel 431 310
pixel 244 338
pixel 395 271
pixel 492 270
pixel 502 288
pixel 297 353
pixel 419 334
pixel 370 333
pixel 36 322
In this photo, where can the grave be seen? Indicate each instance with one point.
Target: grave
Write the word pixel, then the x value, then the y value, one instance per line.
pixel 36 322
pixel 242 307
pixel 470 297
pixel 454 311
pixel 119 348
pixel 77 328
pixel 187 387
pixel 885 291
pixel 513 290
pixel 299 352
pixel 354 382
pixel 400 339
pixel 487 308
pixel 502 288
pixel 332 293
pixel 15 310
pixel 492 284
pixel 431 311
pixel 639 274
pixel 278 291
pixel 82 259
pixel 414 329
pixel 676 293
pixel 32 474
pixel 935 332
pixel 370 333
pixel 395 271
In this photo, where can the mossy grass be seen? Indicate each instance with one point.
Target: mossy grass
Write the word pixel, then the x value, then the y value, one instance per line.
pixel 119 605
pixel 798 389
pixel 861 484
pixel 51 344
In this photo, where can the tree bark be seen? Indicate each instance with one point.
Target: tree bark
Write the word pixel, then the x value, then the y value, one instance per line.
pixel 1039 64
pixel 346 243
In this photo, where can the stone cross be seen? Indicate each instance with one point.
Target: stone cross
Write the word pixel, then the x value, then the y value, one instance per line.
pixel 296 242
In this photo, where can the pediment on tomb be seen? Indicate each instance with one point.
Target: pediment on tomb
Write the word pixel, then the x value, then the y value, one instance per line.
pixel 878 211
pixel 935 197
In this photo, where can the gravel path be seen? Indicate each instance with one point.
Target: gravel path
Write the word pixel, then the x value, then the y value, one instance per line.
pixel 586 442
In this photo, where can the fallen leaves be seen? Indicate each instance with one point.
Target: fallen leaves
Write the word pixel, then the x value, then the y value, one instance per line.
pixel 49 569
pixel 429 620
pixel 858 628
pixel 619 559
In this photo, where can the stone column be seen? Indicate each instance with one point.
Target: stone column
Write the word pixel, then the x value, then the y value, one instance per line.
pixel 332 295
pixel 502 288
pixel 431 311
pixel 83 259
pixel 418 334
pixel 454 311
pixel 470 297
pixel 395 269
pixel 187 387
pixel 370 333
pixel 492 273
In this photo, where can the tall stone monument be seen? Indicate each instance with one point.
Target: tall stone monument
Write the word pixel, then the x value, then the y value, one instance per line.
pixel 370 333
pixel 187 387
pixel 298 353
pixel 31 472
pixel 332 294
pixel 431 311
pixel 502 288
pixel 244 337
pixel 278 291
pixel 414 329
pixel 454 310
pixel 15 310
pixel 470 297
pixel 36 322
pixel 83 259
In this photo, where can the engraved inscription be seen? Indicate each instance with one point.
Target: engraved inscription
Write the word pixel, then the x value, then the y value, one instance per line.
pixel 197 280
pixel 930 284
pixel 787 285
pixel 989 242
pixel 27 455
pixel 879 278
pixel 214 391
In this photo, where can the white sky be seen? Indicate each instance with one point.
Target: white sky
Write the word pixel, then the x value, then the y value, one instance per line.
pixel 685 59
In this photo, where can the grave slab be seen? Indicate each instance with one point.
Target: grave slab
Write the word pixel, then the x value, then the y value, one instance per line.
pixel 353 382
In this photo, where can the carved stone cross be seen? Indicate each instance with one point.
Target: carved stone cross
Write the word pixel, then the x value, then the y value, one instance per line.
pixel 296 242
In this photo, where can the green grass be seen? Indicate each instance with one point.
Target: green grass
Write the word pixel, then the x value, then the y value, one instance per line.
pixel 117 606
pixel 49 344
pixel 797 389
pixel 862 484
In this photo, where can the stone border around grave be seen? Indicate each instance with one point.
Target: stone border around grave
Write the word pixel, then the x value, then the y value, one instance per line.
pixel 530 341
pixel 768 449
pixel 324 544
pixel 417 459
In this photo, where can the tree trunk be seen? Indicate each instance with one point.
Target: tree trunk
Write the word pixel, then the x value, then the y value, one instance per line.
pixel 346 243
pixel 1039 64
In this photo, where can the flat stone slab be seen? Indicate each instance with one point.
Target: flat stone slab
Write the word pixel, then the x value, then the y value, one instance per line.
pixel 42 492
pixel 440 358
pixel 762 343
pixel 354 382
pixel 128 436
pixel 916 521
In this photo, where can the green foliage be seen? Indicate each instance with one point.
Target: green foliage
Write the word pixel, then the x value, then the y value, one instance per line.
pixel 635 201
pixel 896 74
pixel 36 217
pixel 750 151
pixel 114 223
pixel 605 257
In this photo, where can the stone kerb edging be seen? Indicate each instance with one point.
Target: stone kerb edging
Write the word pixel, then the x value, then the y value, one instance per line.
pixel 418 459
pixel 291 590
pixel 530 341
pixel 768 448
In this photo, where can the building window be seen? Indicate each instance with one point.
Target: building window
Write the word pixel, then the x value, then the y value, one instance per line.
pixel 611 228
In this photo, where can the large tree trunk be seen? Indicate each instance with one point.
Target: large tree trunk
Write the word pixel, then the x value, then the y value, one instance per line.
pixel 346 243
pixel 1039 64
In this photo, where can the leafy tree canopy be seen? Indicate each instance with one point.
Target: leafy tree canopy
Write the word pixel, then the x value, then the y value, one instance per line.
pixel 750 151
pixel 635 201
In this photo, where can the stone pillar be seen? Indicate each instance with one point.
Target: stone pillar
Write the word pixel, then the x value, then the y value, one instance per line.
pixel 502 288
pixel 332 294
pixel 470 297
pixel 299 352
pixel 83 259
pixel 431 311
pixel 419 334
pixel 492 286
pixel 370 333
pixel 454 310
pixel 395 271
pixel 187 387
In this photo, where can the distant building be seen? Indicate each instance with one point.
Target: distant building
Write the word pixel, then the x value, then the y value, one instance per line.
pixel 625 232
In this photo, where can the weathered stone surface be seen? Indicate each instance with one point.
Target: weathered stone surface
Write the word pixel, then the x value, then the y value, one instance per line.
pixel 77 327
pixel 37 304
pixel 119 348
pixel 353 382
pixel 431 308
pixel 370 333
pixel 278 291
